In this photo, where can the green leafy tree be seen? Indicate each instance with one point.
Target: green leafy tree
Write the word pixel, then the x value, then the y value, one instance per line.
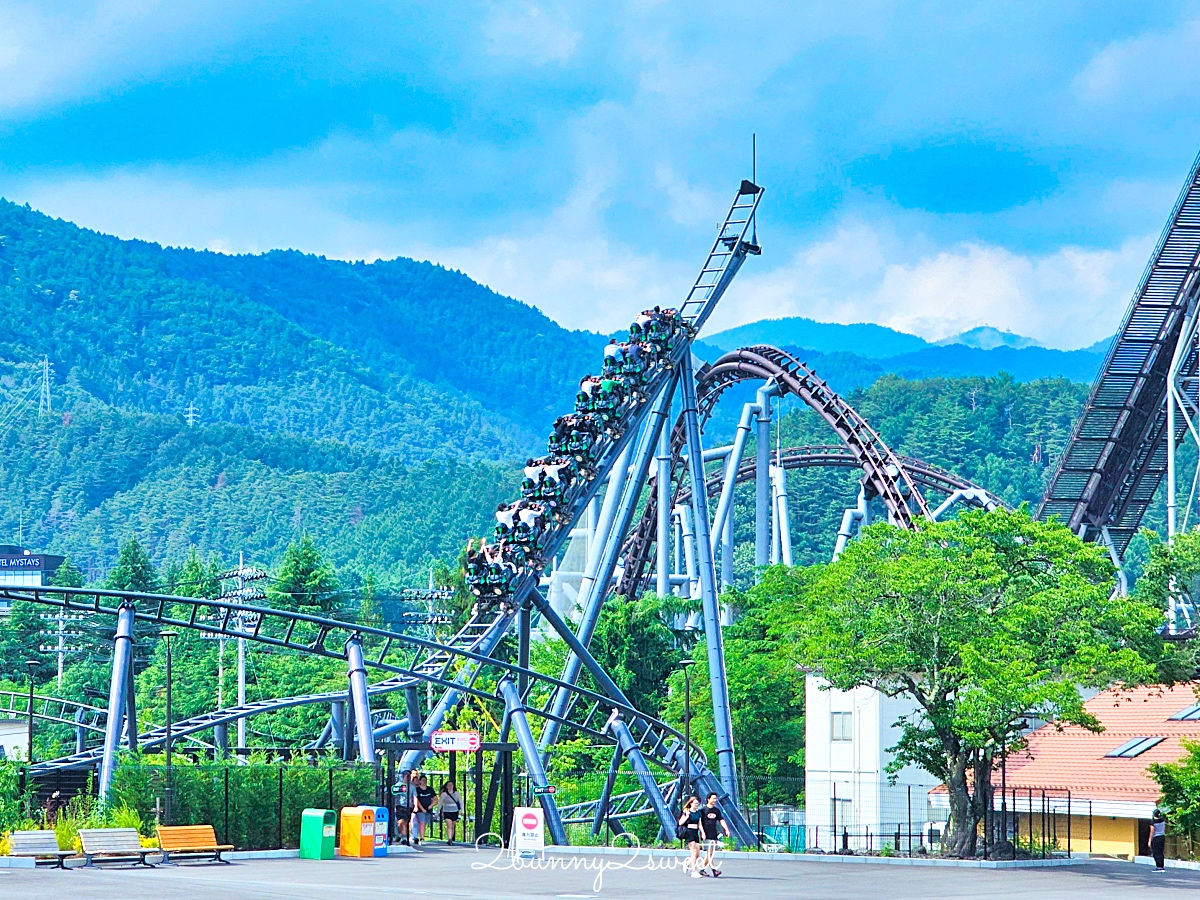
pixel 766 698
pixel 1180 785
pixel 134 571
pixel 981 620
pixel 305 581
pixel 638 648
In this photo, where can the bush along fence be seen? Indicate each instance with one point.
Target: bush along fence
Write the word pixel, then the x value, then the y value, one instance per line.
pixel 254 807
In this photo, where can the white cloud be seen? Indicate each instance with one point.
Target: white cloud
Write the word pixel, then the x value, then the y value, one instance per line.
pixel 536 32
pixel 864 269
pixel 1150 68
pixel 51 53
pixel 1068 297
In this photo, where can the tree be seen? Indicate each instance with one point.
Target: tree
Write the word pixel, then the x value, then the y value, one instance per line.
pixel 636 645
pixel 766 698
pixel 306 581
pixel 133 571
pixel 981 620
pixel 1180 785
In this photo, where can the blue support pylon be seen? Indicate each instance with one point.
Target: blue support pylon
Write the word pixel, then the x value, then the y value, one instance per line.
pixel 709 601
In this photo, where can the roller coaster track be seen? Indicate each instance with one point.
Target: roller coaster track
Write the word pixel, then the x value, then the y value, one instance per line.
pixel 400 655
pixel 923 474
pixel 883 472
pixel 15 705
pixel 1111 468
pixel 410 660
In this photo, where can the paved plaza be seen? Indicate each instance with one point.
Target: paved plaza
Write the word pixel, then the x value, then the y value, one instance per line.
pixel 452 873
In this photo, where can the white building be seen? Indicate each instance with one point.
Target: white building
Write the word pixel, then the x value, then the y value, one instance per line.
pixel 847 788
pixel 24 568
pixel 14 739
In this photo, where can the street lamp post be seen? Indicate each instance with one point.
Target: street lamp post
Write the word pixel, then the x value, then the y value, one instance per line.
pixel 686 664
pixel 167 635
pixel 31 665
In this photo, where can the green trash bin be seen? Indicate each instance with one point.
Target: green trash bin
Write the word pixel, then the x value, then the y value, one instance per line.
pixel 318 833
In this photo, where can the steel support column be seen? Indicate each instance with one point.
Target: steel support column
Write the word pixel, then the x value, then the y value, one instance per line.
pixel 663 487
pixel 710 603
pixel 637 762
pixel 762 480
pixel 533 760
pixel 782 517
pixel 122 653
pixel 606 793
pixel 131 724
pixel 360 699
pixel 733 461
pixel 610 537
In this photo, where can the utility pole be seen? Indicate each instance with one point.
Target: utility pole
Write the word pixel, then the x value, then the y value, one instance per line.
pixel 244 592
pixel 59 635
pixel 192 414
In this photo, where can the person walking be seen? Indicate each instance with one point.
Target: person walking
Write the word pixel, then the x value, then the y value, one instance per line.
pixel 423 808
pixel 406 791
pixel 1158 840
pixel 450 802
pixel 688 831
pixel 712 823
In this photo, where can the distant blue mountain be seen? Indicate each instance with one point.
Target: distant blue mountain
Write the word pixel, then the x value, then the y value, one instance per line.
pixel 864 339
pixel 854 356
pixel 985 337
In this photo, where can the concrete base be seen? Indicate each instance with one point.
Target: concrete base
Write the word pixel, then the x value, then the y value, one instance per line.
pixel 830 858
pixel 17 862
pixel 1170 863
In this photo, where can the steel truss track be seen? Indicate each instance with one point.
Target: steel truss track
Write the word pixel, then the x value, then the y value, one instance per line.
pixel 410 660
pixel 923 474
pixel 883 471
pixel 400 655
pixel 1111 468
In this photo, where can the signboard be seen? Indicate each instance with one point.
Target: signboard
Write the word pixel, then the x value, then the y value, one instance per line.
pixel 23 563
pixel 548 789
pixel 528 830
pixel 455 741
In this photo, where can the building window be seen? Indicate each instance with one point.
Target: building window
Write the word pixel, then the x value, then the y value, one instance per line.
pixel 1191 714
pixel 1135 747
pixel 843 726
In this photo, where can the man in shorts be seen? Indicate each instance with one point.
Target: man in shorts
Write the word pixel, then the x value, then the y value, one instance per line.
pixel 712 824
pixel 405 791
pixel 426 797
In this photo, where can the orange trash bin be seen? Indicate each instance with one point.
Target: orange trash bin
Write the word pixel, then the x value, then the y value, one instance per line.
pixel 358 831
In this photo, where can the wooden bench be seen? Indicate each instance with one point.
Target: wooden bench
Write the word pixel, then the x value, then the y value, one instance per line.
pixel 192 841
pixel 38 844
pixel 114 845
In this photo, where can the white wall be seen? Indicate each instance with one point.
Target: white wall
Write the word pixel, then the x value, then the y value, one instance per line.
pixel 14 738
pixel 856 770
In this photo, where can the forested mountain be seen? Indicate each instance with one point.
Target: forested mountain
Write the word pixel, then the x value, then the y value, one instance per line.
pixel 382 408
pixel 90 478
pixel 399 356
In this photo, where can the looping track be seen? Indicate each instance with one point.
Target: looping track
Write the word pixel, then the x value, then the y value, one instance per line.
pixel 884 473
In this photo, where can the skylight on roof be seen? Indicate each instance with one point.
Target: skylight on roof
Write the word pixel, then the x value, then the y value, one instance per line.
pixel 1135 747
pixel 1191 714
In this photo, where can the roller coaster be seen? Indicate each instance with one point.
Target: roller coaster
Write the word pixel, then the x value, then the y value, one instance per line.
pixel 645 490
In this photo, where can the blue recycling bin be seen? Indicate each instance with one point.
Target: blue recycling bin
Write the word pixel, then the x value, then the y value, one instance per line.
pixel 381 830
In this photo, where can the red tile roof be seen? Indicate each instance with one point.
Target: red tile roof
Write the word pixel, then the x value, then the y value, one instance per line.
pixel 1074 759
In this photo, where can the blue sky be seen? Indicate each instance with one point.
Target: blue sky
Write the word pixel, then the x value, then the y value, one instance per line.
pixel 929 166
